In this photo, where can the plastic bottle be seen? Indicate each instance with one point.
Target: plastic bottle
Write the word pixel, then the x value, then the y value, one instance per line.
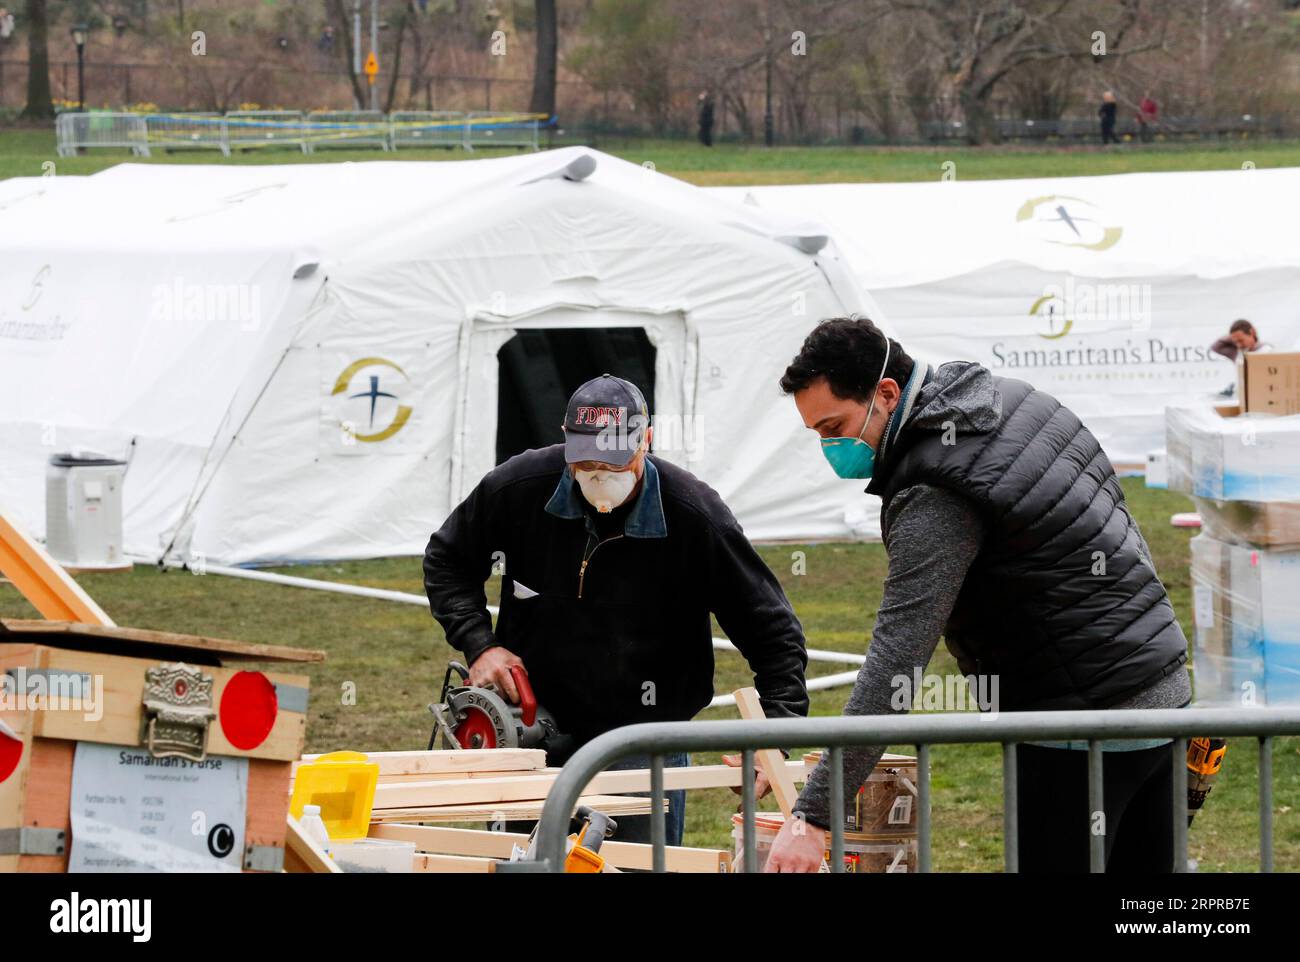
pixel 314 826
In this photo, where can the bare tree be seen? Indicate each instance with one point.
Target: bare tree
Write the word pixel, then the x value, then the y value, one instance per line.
pixel 40 104
pixel 980 41
pixel 544 70
pixel 339 14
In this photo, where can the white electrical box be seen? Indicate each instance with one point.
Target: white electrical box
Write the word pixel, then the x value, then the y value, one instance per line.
pixel 83 510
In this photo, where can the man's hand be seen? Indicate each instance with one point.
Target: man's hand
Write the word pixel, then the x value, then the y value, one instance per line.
pixel 799 847
pixel 761 784
pixel 493 667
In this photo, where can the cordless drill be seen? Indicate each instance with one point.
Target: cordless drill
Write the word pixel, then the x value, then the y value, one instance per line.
pixel 1204 759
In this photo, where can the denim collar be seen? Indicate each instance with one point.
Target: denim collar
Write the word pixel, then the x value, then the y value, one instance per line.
pixel 645 520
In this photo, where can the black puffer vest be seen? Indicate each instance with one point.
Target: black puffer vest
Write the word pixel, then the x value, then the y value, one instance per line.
pixel 1061 602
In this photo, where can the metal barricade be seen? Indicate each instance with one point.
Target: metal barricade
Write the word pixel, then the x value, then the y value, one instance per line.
pixel 185 131
pixel 74 131
pixel 657 739
pixel 485 129
pixel 428 128
pixel 348 128
pixel 248 129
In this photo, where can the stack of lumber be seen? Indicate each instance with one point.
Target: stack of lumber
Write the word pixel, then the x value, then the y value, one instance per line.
pixel 417 790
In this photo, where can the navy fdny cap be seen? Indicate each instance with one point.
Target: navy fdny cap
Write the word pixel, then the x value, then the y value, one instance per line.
pixel 606 421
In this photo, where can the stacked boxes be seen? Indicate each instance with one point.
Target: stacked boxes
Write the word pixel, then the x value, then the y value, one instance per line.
pixel 1243 471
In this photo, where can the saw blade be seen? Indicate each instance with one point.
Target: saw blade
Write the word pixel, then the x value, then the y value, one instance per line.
pixel 484 719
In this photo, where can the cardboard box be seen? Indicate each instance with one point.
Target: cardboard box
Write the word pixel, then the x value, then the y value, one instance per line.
pixel 1250 457
pixel 886 803
pixel 1265 524
pixel 1268 382
pixel 1247 617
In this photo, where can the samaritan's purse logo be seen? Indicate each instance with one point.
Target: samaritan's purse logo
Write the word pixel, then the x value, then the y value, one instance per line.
pixel 1051 308
pixel 37 288
pixel 366 393
pixel 1069 222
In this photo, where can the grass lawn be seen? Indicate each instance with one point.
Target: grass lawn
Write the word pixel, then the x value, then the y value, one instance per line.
pixel 395 655
pixel 24 151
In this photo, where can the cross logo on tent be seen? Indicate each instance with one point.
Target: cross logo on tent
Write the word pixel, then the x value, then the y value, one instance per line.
pixel 38 288
pixel 1069 222
pixel 373 393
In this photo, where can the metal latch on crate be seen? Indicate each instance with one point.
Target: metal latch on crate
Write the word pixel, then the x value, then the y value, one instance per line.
pixel 32 841
pixel 177 711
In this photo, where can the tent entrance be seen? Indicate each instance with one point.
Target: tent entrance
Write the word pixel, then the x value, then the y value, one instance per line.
pixel 538 370
pixel 516 375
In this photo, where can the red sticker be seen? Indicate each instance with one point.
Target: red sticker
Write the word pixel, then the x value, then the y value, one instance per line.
pixel 248 709
pixel 11 750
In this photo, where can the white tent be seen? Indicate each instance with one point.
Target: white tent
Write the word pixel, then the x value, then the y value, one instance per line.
pixel 301 362
pixel 1105 291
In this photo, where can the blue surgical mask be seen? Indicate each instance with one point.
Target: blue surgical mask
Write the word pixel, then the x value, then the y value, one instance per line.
pixel 854 457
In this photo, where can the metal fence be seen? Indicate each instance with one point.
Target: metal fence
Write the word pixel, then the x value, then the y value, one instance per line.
pixel 1008 728
pixel 261 129
pixel 1089 128
pixel 103 130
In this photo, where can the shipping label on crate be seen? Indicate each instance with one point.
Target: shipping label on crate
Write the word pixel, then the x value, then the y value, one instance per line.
pixel 132 812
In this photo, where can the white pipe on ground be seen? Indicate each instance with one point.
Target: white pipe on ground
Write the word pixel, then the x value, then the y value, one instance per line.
pixel 406 598
pixel 814 684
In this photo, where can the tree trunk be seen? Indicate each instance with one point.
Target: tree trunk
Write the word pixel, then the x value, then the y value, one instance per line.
pixel 40 105
pixel 344 21
pixel 543 101
pixel 977 114
pixel 397 66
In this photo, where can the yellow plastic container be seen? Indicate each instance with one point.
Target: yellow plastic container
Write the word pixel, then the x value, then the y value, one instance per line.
pixel 343 785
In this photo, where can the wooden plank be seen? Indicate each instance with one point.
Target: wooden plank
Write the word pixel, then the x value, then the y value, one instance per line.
pixel 889 759
pixel 484 844
pixel 120 723
pixel 49 787
pixel 526 810
pixel 269 785
pixel 508 788
pixel 13 790
pixel 429 862
pixel 769 760
pixel 85 637
pixel 456 763
pixel 42 581
pixel 303 853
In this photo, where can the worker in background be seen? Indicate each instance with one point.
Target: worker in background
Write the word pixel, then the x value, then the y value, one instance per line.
pixel 1107 114
pixel 1241 336
pixel 614 561
pixel 1148 116
pixel 1007 533
pixel 706 118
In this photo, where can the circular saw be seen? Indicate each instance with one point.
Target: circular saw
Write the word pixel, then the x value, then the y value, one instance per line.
pixel 470 716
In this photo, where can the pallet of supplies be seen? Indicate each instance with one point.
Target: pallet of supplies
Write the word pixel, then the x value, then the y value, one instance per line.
pixel 127 749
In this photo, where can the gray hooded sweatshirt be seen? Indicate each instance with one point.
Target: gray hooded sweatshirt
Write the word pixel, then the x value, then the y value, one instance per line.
pixel 932 535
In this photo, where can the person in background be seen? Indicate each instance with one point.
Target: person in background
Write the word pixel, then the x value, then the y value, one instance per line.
pixel 1148 116
pixel 6 23
pixel 706 118
pixel 1241 336
pixel 1107 114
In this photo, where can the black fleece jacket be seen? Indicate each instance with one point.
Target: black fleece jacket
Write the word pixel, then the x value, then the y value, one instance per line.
pixel 625 637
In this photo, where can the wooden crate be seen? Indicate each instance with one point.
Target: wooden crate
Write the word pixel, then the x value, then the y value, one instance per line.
pixel 35 792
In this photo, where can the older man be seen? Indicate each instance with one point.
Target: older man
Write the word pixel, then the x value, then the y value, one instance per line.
pixel 614 561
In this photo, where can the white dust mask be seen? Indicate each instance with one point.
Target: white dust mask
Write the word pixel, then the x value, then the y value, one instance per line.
pixel 606 490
